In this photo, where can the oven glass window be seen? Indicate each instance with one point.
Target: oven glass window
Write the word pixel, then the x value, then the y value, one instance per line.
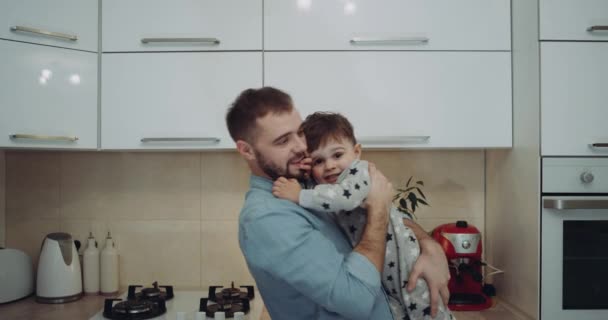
pixel 585 265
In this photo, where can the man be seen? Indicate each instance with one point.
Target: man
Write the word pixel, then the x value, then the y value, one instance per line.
pixel 303 264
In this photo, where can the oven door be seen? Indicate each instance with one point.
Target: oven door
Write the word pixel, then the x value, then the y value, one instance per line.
pixel 574 258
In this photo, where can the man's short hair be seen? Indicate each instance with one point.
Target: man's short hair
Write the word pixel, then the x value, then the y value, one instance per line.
pixel 252 104
pixel 322 127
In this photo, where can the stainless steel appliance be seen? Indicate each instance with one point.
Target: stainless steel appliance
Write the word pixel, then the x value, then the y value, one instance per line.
pixel 574 239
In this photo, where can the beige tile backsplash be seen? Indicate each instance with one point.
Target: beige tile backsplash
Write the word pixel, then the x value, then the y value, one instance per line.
pixel 174 216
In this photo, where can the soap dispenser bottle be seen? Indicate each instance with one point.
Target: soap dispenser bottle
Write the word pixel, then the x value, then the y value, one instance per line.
pixel 91 266
pixel 109 267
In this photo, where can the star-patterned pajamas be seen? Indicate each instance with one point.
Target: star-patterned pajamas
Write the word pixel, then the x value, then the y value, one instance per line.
pixel 343 200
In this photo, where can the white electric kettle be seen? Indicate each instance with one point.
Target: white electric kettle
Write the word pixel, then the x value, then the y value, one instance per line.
pixel 59 277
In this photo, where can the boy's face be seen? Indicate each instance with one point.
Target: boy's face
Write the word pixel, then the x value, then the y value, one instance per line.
pixel 333 157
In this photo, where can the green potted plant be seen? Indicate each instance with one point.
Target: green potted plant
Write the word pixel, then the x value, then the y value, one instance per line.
pixel 410 197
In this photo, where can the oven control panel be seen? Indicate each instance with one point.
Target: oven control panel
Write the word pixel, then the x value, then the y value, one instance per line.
pixel 575 175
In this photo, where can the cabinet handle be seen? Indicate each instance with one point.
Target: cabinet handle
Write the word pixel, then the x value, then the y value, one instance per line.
pixel 598 145
pixel 59 35
pixel 44 138
pixel 565 204
pixel 212 41
pixel 395 140
pixel 395 40
pixel 597 28
pixel 211 140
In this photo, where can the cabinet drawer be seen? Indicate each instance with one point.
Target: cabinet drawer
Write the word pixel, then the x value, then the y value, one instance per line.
pixel 173 100
pixel 404 99
pixel 48 97
pixel 62 23
pixel 574 107
pixel 574 20
pixel 182 25
pixel 387 25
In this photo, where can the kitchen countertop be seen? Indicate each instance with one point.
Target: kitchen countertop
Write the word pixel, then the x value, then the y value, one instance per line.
pixel 28 309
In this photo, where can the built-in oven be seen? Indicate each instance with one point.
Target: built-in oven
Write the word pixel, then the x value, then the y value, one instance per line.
pixel 574 239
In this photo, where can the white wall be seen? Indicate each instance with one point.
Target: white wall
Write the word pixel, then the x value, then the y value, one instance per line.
pixel 2 200
pixel 513 176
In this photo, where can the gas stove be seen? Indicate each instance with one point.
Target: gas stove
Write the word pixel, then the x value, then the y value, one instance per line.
pixel 162 302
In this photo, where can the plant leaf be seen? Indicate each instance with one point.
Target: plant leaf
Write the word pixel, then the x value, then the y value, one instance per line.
pixel 420 183
pixel 423 202
pixel 413 201
pixel 408 181
pixel 396 196
pixel 421 193
pixel 403 203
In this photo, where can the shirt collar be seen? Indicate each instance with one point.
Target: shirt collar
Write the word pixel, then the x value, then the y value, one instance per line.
pixel 260 183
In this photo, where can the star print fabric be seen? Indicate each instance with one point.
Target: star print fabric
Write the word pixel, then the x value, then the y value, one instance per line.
pixel 343 200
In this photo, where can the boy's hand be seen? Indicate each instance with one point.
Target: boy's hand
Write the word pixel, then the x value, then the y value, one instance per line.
pixel 288 189
pixel 306 167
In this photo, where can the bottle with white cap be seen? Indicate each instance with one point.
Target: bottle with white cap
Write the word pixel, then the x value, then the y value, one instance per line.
pixel 109 267
pixel 90 265
pixel 219 315
pixel 239 315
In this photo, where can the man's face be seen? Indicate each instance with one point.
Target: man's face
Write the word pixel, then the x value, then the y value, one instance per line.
pixel 279 147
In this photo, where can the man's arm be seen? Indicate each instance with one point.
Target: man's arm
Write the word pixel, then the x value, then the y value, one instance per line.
pixel 373 240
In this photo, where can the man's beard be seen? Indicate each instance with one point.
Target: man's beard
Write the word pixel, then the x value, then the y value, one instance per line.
pixel 274 171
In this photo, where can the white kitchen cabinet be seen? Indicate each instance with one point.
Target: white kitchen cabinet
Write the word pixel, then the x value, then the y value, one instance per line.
pixel 574 20
pixel 181 25
pixel 48 97
pixel 173 100
pixel 574 100
pixel 63 23
pixel 387 25
pixel 404 99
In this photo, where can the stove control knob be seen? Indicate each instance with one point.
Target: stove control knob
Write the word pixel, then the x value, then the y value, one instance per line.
pixel 466 244
pixel 587 177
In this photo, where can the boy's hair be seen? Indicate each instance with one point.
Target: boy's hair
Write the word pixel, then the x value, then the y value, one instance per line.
pixel 252 104
pixel 322 127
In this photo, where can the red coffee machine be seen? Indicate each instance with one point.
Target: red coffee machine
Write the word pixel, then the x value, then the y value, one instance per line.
pixel 462 245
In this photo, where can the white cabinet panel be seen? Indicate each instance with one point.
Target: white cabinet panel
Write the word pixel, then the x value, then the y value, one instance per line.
pixel 332 24
pixel 173 96
pixel 47 92
pixel 572 20
pixel 574 100
pixel 395 99
pixel 72 23
pixel 236 24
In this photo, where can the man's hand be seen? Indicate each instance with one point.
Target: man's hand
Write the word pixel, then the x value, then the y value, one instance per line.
pixel 432 266
pixel 288 189
pixel 380 194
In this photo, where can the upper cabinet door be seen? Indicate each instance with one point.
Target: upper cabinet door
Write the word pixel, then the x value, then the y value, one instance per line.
pixel 387 25
pixel 574 99
pixel 404 99
pixel 181 25
pixel 574 20
pixel 62 23
pixel 48 97
pixel 178 100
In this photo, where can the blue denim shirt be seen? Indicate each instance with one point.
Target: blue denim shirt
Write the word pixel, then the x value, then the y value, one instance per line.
pixel 303 265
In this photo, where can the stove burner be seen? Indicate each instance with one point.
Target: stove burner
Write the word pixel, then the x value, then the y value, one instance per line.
pixel 133 309
pixel 154 293
pixel 231 292
pixel 229 300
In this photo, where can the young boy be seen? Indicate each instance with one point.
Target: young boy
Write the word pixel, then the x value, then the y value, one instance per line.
pixel 341 184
